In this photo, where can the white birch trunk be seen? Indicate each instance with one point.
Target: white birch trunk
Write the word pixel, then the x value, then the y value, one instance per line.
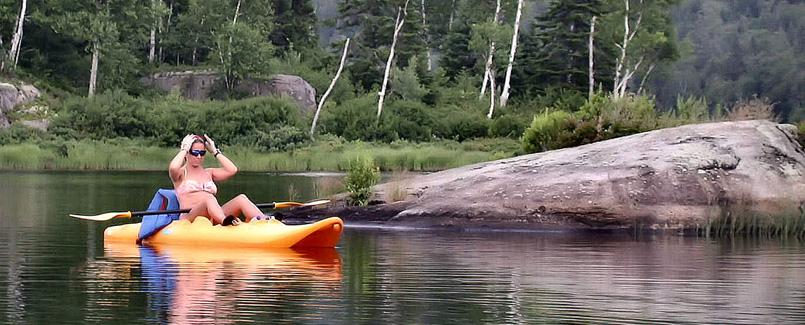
pixel 228 77
pixel 504 96
pixel 622 72
pixel 93 71
pixel 452 16
pixel 153 37
pixel 491 94
pixel 16 40
pixel 398 24
pixel 643 82
pixel 427 38
pixel 153 44
pixel 488 67
pixel 591 46
pixel 329 89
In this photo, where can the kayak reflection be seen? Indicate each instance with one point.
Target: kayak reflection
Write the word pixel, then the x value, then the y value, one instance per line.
pixel 189 284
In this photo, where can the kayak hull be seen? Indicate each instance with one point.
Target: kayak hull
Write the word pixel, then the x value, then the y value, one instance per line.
pixel 263 233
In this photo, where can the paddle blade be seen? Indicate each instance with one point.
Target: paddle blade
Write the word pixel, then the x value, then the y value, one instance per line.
pixel 104 216
pixel 297 204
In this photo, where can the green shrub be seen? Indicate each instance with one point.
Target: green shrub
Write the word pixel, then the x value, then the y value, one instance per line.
pixel 361 176
pixel 507 126
pixel 282 138
pixel 545 129
pixel 107 115
pixel 410 120
pixel 357 120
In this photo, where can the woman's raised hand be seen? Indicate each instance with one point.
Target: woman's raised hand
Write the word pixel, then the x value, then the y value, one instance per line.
pixel 187 142
pixel 210 144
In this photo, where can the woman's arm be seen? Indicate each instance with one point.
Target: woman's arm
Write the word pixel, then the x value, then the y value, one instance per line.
pixel 175 166
pixel 227 169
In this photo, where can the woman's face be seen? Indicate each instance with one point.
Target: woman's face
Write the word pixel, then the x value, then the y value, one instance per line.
pixel 196 154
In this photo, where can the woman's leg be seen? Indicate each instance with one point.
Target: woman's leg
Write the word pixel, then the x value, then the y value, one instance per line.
pixel 241 204
pixel 209 208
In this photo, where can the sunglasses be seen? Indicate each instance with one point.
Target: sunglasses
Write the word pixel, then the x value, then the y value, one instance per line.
pixel 197 153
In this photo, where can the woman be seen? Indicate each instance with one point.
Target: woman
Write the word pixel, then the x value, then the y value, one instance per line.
pixel 195 185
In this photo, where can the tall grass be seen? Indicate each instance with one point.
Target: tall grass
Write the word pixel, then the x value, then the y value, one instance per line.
pixel 127 154
pixel 743 222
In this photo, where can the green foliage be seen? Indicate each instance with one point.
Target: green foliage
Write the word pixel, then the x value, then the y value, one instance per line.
pixel 361 176
pixel 692 108
pixel 282 138
pixel 507 126
pixel 166 120
pixel 19 133
pixel 242 52
pixel 555 53
pixel 544 130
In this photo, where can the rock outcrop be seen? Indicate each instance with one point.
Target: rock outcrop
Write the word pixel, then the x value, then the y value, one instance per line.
pixel 673 178
pixel 199 85
pixel 8 99
pixel 11 97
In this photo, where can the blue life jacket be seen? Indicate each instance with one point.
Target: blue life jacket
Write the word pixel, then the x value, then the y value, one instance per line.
pixel 163 200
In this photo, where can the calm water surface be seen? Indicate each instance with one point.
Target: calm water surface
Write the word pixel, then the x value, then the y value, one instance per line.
pixel 55 269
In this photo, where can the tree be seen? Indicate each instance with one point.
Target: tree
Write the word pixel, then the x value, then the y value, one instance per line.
pixel 295 22
pixel 107 28
pixel 647 39
pixel 371 27
pixel 13 56
pixel 329 89
pixel 555 54
pixel 504 96
pixel 398 25
pixel 242 51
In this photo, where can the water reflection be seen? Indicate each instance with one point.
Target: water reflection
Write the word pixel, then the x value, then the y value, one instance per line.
pixel 57 269
pixel 202 285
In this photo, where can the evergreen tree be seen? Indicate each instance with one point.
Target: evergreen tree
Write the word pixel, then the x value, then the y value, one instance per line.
pixel 555 53
pixel 295 26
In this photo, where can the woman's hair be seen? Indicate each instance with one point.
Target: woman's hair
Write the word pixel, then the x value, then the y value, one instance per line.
pixel 199 139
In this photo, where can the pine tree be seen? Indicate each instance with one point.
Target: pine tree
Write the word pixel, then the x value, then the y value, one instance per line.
pixel 555 53
pixel 294 28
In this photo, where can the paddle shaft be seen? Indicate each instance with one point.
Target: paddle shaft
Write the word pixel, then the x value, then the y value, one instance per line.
pixel 148 213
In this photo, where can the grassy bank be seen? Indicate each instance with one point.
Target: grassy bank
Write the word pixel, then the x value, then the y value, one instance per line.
pixel 329 155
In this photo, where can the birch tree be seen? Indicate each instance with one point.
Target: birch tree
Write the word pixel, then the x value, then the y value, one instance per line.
pixel 591 58
pixel 425 31
pixel 646 39
pixel 504 96
pixel 157 11
pixel 398 24
pixel 329 89
pixel 490 55
pixel 16 40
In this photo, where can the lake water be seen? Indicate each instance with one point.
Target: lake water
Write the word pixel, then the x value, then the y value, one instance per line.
pixel 56 269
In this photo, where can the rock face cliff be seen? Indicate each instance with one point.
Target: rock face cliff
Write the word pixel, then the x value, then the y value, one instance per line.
pixel 198 85
pixel 666 179
pixel 11 97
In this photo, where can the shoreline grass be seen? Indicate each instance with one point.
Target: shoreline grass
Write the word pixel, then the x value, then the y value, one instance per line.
pixel 125 154
pixel 732 223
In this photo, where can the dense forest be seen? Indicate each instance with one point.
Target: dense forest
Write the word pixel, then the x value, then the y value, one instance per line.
pixel 552 73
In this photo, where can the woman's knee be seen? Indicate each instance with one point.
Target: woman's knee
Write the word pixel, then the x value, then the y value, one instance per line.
pixel 242 198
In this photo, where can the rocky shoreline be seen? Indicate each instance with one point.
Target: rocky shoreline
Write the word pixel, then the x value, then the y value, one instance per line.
pixel 672 179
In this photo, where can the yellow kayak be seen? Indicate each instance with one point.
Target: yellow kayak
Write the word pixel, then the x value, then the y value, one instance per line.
pixel 263 233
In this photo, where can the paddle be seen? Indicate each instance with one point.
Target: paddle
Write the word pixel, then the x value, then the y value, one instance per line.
pixel 129 214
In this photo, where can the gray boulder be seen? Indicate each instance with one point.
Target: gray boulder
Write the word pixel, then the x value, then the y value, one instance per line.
pixel 8 99
pixel 673 179
pixel 198 85
pixel 294 87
